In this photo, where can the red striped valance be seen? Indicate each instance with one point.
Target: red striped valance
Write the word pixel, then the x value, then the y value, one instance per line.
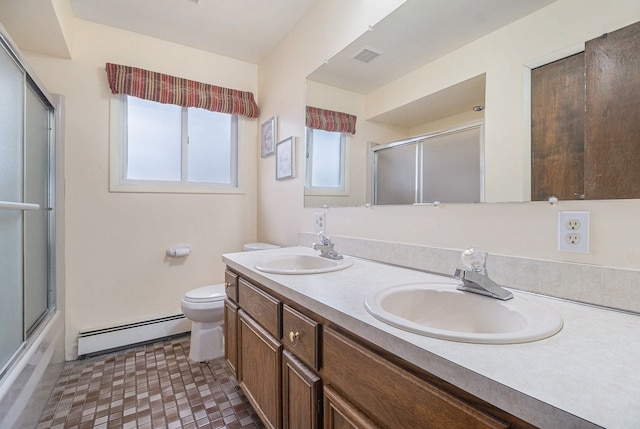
pixel 328 120
pixel 163 88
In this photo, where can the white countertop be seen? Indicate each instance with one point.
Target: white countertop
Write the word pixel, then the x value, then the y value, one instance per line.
pixel 586 375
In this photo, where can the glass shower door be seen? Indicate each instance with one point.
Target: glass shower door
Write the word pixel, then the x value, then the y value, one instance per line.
pixel 36 230
pixel 26 287
pixel 12 81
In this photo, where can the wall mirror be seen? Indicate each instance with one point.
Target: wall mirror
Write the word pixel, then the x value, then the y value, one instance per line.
pixel 392 51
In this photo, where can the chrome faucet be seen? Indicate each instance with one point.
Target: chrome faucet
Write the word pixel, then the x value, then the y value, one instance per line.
pixel 325 246
pixel 476 279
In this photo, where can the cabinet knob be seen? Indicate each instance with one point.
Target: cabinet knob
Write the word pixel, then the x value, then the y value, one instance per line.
pixel 227 285
pixel 293 336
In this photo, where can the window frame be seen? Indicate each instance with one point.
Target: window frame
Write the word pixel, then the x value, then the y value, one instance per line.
pixel 118 159
pixel 343 188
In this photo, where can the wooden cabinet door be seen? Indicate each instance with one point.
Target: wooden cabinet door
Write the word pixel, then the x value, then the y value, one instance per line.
pixel 585 121
pixel 612 151
pixel 341 414
pixel 557 130
pixel 390 395
pixel 300 394
pixel 231 335
pixel 260 370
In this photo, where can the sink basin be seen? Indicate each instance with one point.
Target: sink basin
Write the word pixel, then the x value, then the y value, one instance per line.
pixel 439 310
pixel 302 264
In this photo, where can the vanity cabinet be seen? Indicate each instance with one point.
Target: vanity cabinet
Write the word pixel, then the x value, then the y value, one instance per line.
pixel 339 413
pixel 301 336
pixel 301 390
pixel 231 321
pixel 385 392
pixel 231 335
pixel 300 370
pixel 301 387
pixel 259 370
pixel 278 383
pixel 260 352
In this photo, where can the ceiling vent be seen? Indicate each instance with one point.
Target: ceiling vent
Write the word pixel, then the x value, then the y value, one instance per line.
pixel 367 54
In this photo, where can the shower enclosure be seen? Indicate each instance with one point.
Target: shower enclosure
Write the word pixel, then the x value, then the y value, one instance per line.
pixel 27 289
pixel 25 206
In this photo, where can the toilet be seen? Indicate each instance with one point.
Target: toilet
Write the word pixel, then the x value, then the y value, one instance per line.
pixel 204 306
pixel 259 246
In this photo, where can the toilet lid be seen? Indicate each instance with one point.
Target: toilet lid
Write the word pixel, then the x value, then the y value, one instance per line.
pixel 209 293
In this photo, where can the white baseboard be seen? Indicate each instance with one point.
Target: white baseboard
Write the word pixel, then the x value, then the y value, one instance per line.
pixel 99 340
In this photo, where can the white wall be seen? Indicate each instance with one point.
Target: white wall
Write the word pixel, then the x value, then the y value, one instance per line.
pixel 323 32
pixel 116 269
pixel 519 229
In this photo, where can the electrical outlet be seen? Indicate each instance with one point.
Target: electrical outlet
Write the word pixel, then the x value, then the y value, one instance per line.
pixel 573 231
pixel 319 224
pixel 573 224
pixel 572 238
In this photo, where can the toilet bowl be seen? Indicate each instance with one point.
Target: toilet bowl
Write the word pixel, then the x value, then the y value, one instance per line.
pixel 204 306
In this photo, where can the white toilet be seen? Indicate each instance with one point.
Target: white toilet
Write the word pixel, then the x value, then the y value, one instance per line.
pixel 204 306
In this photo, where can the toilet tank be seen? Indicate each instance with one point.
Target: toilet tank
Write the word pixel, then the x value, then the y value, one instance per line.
pixel 258 246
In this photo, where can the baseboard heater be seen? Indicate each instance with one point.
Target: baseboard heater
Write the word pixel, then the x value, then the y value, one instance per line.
pixel 104 340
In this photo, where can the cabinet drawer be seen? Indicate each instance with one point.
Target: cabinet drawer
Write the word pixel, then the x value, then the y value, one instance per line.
pixel 390 395
pixel 262 307
pixel 300 335
pixel 231 285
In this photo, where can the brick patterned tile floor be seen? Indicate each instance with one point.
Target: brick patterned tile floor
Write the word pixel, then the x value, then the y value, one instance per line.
pixel 148 387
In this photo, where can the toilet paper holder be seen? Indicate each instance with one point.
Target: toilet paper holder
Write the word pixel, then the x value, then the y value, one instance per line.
pixel 178 251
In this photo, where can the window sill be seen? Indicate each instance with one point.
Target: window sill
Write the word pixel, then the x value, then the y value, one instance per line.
pixel 177 188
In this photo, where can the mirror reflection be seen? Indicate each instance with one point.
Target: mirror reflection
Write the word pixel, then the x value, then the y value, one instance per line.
pixel 444 167
pixel 410 88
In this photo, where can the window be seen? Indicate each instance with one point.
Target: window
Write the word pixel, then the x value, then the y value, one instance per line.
pixel 168 145
pixel 326 153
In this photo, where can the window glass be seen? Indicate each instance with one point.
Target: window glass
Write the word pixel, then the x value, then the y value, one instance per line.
pixel 209 151
pixel 326 159
pixel 153 140
pixel 169 143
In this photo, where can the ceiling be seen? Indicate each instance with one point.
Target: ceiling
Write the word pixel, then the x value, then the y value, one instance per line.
pixel 242 29
pixel 417 33
pixel 248 29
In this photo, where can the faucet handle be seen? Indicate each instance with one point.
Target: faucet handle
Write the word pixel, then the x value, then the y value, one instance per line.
pixel 324 240
pixel 474 259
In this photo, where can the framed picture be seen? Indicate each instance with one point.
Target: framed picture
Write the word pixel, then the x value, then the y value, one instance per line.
pixel 268 136
pixel 285 154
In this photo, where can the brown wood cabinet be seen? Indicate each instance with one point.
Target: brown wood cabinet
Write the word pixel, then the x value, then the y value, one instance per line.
pixel 260 369
pixel 231 321
pixel 585 121
pixel 300 394
pixel 387 392
pixel 339 413
pixel 231 285
pixel 311 375
pixel 301 336
pixel 231 335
